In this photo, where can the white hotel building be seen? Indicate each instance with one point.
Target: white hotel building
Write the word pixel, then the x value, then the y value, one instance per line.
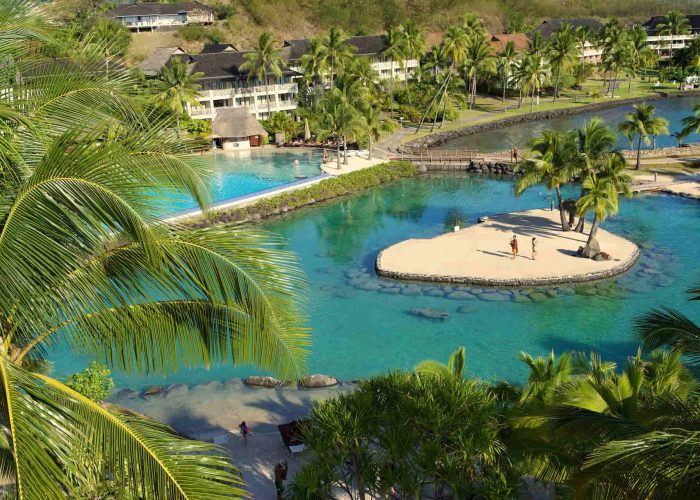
pixel 662 43
pixel 152 16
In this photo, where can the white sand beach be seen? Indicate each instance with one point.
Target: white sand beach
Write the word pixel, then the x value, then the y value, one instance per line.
pixel 481 252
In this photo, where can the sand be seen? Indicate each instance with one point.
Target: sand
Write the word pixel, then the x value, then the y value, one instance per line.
pixel 357 160
pixel 214 410
pixel 480 254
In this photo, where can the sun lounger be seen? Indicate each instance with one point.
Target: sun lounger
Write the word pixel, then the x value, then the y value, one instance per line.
pixel 290 434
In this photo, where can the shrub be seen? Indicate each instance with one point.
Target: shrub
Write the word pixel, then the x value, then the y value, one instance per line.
pixel 192 33
pixel 196 128
pixel 224 11
pixel 409 113
pixel 93 382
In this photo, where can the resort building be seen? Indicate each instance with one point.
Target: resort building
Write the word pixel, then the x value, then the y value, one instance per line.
pixel 499 42
pixel 152 16
pixel 662 43
pixel 235 128
pixel 371 46
pixel 225 85
pixel 152 65
pixel 591 53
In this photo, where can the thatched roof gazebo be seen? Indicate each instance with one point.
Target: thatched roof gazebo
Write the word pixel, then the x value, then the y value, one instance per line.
pixel 236 128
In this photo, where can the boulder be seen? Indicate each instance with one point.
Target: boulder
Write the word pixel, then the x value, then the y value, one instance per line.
pixel 127 394
pixel 153 391
pixel 318 380
pixel 435 292
pixel 390 291
pixel 493 297
pixel 591 249
pixel 602 256
pixel 520 298
pixel 458 295
pixel 538 297
pixel 412 290
pixel 261 381
pixel 430 313
pixel 176 390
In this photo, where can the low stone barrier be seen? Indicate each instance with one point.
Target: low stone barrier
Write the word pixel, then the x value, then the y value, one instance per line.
pixel 473 166
pixel 441 137
pixel 690 150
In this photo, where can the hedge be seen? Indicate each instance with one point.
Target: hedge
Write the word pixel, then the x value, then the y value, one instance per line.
pixel 327 189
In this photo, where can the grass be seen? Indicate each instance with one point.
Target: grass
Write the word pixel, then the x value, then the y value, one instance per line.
pixel 491 108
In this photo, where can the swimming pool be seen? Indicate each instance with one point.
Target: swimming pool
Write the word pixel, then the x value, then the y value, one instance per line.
pixel 520 135
pixel 362 324
pixel 238 173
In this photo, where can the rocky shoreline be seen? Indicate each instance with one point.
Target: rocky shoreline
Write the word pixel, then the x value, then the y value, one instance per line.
pixel 442 137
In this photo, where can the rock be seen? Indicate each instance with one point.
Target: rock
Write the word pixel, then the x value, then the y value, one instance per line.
pixel 153 391
pixel 537 297
pixel 353 273
pixel 318 380
pixel 586 290
pixel 390 291
pixel 369 286
pixel 412 290
pixel 566 291
pixel 213 384
pixel 467 309
pixel 344 294
pixel 591 249
pixel 602 256
pixel 435 292
pixel 261 381
pixel 550 293
pixel 522 298
pixel 176 390
pixel 127 394
pixel 493 297
pixel 430 313
pixel 460 296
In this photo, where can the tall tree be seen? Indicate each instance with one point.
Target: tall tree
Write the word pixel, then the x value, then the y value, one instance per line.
pixel 532 75
pixel 639 123
pixel 338 119
pixel 479 61
pixel 506 58
pixel 414 49
pixel 674 24
pixel 178 87
pixel 313 62
pixel 601 198
pixel 375 126
pixel 338 51
pixel 395 51
pixel 551 165
pixel 264 60
pixel 562 51
pixel 583 35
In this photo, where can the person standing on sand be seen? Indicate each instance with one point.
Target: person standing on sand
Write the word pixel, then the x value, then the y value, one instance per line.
pixel 245 430
pixel 515 155
pixel 514 247
pixel 281 470
pixel 534 248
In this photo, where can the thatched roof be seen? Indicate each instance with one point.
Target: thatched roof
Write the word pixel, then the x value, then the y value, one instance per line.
pixel 235 122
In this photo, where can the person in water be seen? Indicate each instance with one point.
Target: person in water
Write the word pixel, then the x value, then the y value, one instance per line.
pixel 514 247
pixel 534 248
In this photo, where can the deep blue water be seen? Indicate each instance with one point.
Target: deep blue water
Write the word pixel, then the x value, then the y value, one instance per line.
pixel 520 136
pixel 358 332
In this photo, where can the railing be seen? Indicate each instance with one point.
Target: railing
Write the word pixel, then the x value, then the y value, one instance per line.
pixel 442 156
pixel 249 91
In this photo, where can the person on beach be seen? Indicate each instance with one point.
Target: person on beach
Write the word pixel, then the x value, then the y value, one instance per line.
pixel 534 248
pixel 281 470
pixel 245 430
pixel 514 247
pixel 515 155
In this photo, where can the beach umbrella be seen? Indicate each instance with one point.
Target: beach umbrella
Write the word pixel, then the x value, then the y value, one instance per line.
pixel 307 132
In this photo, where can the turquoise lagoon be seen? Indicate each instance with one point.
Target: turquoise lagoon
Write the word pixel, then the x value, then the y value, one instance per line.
pixel 519 136
pixel 362 324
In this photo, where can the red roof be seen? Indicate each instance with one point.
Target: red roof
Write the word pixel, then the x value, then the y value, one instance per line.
pixel 521 41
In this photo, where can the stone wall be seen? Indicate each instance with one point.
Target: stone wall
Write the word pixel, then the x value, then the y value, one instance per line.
pixel 474 166
pixel 442 137
pixel 690 150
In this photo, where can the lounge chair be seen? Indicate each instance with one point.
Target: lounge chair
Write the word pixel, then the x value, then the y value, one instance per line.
pixel 290 434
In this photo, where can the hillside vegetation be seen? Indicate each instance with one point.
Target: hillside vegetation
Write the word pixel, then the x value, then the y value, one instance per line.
pixel 240 21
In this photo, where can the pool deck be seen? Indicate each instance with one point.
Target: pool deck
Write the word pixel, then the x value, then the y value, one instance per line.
pixel 480 254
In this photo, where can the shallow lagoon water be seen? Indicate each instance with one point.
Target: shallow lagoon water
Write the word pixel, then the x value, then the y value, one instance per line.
pixel 362 326
pixel 520 135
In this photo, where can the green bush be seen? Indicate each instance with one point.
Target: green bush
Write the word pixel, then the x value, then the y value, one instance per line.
pixel 328 189
pixel 196 128
pixel 409 113
pixel 192 33
pixel 224 11
pixel 93 382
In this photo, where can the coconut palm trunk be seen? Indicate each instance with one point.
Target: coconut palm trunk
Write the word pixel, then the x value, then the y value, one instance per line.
pixel 177 125
pixel 337 152
pixel 267 94
pixel 503 99
pixel 594 231
pixel 369 147
pixel 391 90
pixel 532 100
pixel 562 213
pixel 345 152
pixel 556 85
pixel 473 100
pixel 639 153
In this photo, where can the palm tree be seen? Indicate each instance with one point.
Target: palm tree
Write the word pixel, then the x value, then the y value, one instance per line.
pixel 265 59
pixel 674 23
pixel 313 63
pixel 178 87
pixel 506 58
pixel 455 367
pixel 659 126
pixel 473 26
pixel 532 75
pixel 537 46
pixel 583 35
pixel 691 124
pixel 680 136
pixel 86 260
pixel 434 60
pixel 338 51
pixel 601 198
pixel 414 49
pixel 638 51
pixel 546 374
pixel 479 61
pixel 551 165
pixel 395 51
pixel 338 119
pixel 614 169
pixel 375 126
pixel 562 51
pixel 639 124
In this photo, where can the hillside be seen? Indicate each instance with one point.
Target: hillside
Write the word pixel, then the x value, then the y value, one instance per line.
pixel 242 20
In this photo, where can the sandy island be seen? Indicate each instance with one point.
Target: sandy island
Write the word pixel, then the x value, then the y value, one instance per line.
pixel 480 254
